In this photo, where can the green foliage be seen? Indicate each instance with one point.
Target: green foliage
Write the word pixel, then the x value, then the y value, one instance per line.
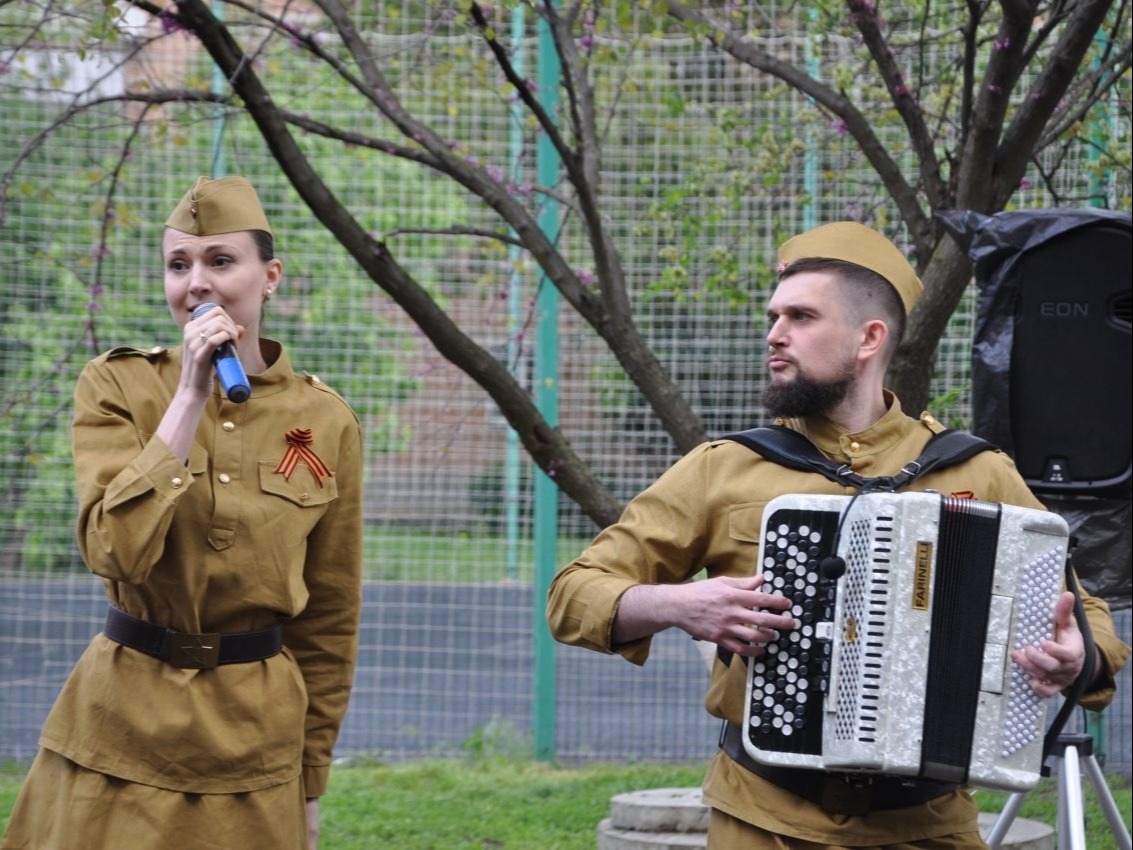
pixel 457 557
pixel 692 220
pixel 497 742
pixel 944 407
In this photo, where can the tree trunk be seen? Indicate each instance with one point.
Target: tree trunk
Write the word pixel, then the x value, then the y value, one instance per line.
pixel 947 277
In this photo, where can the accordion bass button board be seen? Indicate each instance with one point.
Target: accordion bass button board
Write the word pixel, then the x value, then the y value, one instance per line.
pixel 901 664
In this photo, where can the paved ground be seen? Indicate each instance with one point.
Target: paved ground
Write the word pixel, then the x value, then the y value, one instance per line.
pixel 441 666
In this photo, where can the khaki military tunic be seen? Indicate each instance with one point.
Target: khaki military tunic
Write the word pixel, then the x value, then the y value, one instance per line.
pixel 224 543
pixel 705 513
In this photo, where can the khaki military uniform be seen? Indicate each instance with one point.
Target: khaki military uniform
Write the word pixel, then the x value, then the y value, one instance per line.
pixel 705 513
pixel 224 543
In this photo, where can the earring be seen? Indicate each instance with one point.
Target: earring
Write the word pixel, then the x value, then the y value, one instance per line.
pixel 267 295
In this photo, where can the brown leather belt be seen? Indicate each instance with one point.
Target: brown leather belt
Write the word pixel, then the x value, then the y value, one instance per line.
pixel 837 793
pixel 190 651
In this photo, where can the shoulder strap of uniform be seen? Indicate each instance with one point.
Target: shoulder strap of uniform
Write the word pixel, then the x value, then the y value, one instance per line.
pixel 791 449
pixel 153 353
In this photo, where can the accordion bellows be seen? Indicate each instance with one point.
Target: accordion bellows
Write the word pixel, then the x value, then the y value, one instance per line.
pixel 901 664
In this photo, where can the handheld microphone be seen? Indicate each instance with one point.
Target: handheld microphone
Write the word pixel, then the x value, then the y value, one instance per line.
pixel 229 370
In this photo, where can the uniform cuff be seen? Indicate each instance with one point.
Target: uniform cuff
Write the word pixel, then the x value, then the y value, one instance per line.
pixel 315 778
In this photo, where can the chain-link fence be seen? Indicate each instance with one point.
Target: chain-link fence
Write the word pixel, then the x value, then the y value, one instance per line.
pixel 706 165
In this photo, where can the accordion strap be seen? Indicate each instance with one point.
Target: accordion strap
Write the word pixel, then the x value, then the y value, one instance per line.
pixel 791 449
pixel 1082 683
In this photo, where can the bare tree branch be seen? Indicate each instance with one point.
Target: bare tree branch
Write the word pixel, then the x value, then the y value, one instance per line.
pixel 1026 128
pixel 903 194
pixel 867 19
pixel 545 444
pixel 966 144
pixel 1087 93
pixel 523 87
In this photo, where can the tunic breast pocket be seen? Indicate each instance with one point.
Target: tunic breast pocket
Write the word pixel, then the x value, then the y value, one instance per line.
pixel 295 504
pixel 745 522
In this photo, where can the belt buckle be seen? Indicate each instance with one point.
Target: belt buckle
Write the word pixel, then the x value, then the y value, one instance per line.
pixel 194 652
pixel 847 793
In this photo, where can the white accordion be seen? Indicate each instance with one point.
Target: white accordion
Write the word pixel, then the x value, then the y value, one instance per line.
pixel 901 665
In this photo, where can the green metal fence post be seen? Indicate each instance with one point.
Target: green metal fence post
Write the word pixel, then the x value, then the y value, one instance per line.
pixel 546 381
pixel 219 86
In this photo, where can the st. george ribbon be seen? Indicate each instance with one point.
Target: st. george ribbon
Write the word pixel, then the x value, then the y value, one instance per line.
pixel 229 370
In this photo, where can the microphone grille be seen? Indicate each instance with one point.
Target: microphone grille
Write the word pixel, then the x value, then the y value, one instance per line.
pixel 203 308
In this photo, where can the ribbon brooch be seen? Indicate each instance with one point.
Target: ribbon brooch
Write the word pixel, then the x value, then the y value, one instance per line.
pixel 298 449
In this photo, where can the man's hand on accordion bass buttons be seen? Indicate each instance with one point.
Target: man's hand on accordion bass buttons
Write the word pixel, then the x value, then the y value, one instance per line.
pixel 736 614
pixel 730 612
pixel 1055 664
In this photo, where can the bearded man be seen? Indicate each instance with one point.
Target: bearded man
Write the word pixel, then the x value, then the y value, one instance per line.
pixel 835 320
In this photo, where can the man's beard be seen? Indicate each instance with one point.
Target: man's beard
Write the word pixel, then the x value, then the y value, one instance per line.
pixel 805 396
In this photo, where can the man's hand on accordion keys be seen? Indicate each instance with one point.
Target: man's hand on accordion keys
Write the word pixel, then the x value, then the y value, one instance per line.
pixel 735 614
pixel 1055 664
pixel 730 612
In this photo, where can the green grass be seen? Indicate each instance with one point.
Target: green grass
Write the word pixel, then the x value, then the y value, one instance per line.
pixel 485 801
pixel 463 805
pixel 1041 804
pixel 455 557
pixel 410 554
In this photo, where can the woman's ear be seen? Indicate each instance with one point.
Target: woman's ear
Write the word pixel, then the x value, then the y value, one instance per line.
pixel 272 278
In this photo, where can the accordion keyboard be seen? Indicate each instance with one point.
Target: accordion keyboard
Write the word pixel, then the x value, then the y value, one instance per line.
pixel 791 679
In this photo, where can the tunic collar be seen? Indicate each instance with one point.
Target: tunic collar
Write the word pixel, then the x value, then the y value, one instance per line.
pixel 274 379
pixel 856 448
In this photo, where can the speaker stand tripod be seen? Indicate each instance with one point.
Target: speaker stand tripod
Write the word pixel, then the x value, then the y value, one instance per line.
pixel 1072 750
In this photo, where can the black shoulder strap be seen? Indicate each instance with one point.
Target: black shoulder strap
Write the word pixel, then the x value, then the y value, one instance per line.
pixel 791 449
pixel 944 449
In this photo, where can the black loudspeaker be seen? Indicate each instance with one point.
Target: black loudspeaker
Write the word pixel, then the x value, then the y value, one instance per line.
pixel 1052 354
pixel 1051 376
pixel 1071 364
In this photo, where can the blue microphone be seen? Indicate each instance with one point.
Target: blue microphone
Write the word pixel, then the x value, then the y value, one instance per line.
pixel 229 370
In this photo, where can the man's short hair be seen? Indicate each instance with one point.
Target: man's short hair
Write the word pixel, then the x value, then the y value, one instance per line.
pixel 868 294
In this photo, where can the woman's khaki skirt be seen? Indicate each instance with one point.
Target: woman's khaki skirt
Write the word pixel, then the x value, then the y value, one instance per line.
pixel 62 806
